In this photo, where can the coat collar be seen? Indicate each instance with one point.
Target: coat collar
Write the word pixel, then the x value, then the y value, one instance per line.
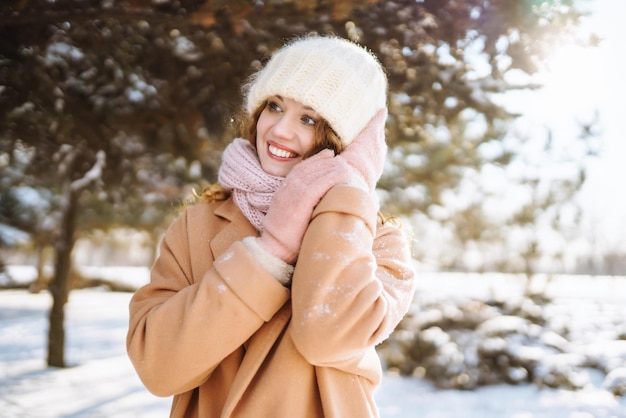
pixel 238 227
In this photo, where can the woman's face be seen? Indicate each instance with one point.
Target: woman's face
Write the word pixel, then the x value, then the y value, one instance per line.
pixel 285 134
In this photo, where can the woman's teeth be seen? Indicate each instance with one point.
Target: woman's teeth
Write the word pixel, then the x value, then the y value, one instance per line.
pixel 281 152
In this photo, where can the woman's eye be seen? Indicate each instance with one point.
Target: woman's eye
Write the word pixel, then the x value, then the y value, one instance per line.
pixel 309 120
pixel 273 106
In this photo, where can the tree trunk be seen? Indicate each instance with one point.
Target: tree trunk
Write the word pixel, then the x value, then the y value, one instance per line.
pixel 60 285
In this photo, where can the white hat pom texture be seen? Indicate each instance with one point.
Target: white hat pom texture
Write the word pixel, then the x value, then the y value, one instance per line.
pixel 340 80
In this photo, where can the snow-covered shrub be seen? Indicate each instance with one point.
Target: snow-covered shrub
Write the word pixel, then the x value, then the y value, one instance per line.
pixel 464 344
pixel 563 370
pixel 605 355
pixel 615 381
pixel 472 343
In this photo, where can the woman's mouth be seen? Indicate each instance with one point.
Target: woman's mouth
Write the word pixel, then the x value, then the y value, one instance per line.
pixel 280 152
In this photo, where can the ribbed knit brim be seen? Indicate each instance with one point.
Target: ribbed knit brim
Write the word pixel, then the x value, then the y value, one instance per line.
pixel 339 79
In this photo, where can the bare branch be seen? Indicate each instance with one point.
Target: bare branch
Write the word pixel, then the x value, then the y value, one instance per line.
pixel 94 174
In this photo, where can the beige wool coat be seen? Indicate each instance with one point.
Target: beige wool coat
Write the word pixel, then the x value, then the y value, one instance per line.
pixel 215 330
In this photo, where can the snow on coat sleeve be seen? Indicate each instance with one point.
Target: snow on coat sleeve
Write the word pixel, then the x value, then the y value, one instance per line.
pixel 195 312
pixel 353 282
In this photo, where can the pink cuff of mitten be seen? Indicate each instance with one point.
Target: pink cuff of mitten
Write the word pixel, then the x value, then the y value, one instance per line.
pixel 357 181
pixel 274 247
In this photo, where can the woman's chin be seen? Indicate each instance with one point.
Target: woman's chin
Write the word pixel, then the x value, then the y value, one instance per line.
pixel 278 170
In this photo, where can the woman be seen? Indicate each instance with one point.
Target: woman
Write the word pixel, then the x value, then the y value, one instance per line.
pixel 269 300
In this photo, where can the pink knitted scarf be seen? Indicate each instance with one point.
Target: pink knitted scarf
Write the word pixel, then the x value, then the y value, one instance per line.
pixel 252 188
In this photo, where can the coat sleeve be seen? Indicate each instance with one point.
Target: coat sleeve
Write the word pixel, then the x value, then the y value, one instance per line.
pixel 189 318
pixel 353 282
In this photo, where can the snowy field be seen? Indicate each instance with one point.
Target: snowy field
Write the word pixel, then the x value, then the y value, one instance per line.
pixel 102 382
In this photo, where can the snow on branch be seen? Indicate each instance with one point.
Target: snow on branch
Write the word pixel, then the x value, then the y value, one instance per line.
pixel 94 173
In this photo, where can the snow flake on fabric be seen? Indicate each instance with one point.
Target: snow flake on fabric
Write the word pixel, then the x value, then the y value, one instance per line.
pixel 320 256
pixel 227 255
pixel 350 236
pixel 323 310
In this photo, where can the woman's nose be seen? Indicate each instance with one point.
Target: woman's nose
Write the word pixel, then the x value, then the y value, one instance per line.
pixel 284 128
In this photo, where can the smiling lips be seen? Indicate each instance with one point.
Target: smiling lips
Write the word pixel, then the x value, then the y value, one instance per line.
pixel 280 152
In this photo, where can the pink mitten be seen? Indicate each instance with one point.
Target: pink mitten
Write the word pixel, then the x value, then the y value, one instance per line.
pixel 293 203
pixel 366 154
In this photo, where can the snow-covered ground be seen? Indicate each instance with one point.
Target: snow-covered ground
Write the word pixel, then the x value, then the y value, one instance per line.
pixel 102 382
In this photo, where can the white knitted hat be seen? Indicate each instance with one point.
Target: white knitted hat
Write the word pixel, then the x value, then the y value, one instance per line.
pixel 340 80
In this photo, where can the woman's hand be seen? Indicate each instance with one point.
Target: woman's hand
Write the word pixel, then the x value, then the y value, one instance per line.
pixel 292 206
pixel 367 153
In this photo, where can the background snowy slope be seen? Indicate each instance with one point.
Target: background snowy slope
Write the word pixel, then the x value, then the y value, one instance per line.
pixel 103 383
